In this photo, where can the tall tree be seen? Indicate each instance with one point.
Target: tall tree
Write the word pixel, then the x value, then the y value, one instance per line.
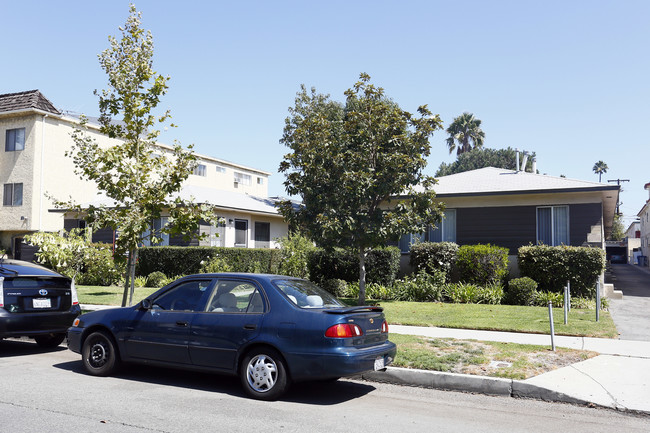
pixel 358 168
pixel 142 184
pixel 465 134
pixel 480 158
pixel 599 168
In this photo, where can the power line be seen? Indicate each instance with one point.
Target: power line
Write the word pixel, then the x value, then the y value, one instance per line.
pixel 618 202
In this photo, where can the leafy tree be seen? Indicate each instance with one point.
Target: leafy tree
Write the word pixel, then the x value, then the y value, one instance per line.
pixel 141 183
pixel 599 168
pixel 465 134
pixel 358 169
pixel 618 230
pixel 481 158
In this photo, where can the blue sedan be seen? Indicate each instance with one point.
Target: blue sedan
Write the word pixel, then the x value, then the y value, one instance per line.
pixel 270 330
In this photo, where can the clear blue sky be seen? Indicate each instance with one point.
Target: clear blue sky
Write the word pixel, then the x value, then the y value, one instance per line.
pixel 566 79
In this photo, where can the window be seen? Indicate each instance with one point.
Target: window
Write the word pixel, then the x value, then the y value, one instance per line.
pixel 244 179
pixel 446 230
pixel 260 181
pixel 184 297
pixel 241 233
pixel 262 235
pixel 220 169
pixel 553 225
pixel 218 234
pixel 13 194
pixel 156 229
pixel 15 140
pixel 235 297
pixel 200 170
pixel 407 240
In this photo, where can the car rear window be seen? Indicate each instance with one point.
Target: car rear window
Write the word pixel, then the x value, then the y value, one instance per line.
pixel 307 295
pixel 35 282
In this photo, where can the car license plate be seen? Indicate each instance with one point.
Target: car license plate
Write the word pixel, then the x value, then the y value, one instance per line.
pixel 379 363
pixel 42 303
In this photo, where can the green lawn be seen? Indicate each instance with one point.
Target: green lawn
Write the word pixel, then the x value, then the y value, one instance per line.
pixel 499 318
pixel 110 295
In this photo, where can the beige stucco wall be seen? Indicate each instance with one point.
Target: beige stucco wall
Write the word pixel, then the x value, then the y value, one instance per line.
pixel 644 217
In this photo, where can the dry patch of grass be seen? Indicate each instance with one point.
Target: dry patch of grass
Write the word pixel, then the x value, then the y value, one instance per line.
pixel 482 358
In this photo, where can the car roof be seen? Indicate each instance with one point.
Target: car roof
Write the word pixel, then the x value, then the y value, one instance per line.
pixel 14 268
pixel 258 277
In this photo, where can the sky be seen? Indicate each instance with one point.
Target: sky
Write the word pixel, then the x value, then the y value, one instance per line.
pixel 567 80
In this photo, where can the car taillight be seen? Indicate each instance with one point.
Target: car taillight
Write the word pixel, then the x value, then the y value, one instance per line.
pixel 73 291
pixel 344 330
pixel 2 292
pixel 384 327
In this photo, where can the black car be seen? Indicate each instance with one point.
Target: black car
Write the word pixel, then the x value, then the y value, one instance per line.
pixel 36 302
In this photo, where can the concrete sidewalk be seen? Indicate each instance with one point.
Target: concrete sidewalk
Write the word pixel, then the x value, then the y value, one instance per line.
pixel 619 378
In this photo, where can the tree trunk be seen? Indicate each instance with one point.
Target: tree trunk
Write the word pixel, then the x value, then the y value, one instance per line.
pixel 132 276
pixel 362 276
pixel 127 275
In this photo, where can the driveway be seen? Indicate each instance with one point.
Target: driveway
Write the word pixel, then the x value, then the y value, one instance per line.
pixel 632 313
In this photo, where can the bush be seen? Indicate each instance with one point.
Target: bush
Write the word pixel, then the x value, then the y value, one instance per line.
pixel 99 268
pixel 156 279
pixel 373 291
pixel 295 250
pixel 433 256
pixel 140 282
pixel 482 264
pixel 552 267
pixel 543 298
pixel 215 265
pixel 472 294
pixel 382 265
pixel 521 291
pixel 336 287
pixel 422 287
pixel 189 260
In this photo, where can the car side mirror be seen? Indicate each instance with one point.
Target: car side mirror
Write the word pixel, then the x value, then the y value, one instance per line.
pixel 145 304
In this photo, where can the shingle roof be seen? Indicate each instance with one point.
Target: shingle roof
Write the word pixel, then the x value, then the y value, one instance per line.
pixel 491 181
pixel 31 99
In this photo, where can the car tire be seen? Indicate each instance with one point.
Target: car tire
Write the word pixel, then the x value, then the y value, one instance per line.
pixel 99 354
pixel 49 340
pixel 263 374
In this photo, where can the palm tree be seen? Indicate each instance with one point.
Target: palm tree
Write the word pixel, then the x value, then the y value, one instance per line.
pixel 599 168
pixel 466 131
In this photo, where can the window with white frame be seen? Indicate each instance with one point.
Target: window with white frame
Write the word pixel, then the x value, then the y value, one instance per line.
pixel 260 181
pixel 241 233
pixel 553 225
pixel 262 235
pixel 15 139
pixel 220 168
pixel 200 170
pixel 218 234
pixel 155 229
pixel 13 194
pixel 243 179
pixel 446 229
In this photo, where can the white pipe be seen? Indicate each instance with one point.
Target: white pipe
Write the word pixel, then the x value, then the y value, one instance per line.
pixel 523 163
pixel 517 160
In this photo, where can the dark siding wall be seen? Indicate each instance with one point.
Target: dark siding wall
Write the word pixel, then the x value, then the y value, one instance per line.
pixel 179 241
pixel 104 236
pixel 509 227
pixel 514 226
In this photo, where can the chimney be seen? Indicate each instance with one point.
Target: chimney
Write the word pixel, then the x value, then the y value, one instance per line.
pixel 534 165
pixel 647 188
pixel 517 160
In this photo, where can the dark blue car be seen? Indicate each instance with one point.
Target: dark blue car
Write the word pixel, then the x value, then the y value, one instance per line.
pixel 270 330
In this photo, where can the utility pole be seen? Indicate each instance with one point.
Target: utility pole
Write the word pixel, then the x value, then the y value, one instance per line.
pixel 618 182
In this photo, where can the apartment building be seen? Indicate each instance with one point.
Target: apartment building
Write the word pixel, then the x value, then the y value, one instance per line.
pixel 34 169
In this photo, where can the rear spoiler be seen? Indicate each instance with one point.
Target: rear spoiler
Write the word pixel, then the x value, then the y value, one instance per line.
pixel 359 309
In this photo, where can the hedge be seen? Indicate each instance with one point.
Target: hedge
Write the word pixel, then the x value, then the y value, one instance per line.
pixel 552 267
pixel 382 265
pixel 433 256
pixel 188 260
pixel 482 264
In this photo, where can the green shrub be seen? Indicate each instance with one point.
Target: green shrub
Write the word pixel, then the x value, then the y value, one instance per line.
pixel 543 298
pixel 156 279
pixel 336 287
pixel 295 250
pixel 552 267
pixel 373 291
pixel 521 291
pixel 216 264
pixel 382 265
pixel 465 293
pixel 430 256
pixel 421 287
pixel 189 260
pixel 99 268
pixel 482 264
pixel 492 294
pixel 140 282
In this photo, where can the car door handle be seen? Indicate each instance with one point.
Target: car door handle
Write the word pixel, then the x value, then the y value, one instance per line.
pixel 250 327
pixel 182 324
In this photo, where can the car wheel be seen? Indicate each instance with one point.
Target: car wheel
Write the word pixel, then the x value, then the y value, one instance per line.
pixel 49 340
pixel 263 374
pixel 99 354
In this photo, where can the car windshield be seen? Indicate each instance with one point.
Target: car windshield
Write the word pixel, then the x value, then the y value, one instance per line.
pixel 307 295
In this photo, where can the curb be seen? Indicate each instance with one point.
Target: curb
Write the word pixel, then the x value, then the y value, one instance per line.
pixel 470 383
